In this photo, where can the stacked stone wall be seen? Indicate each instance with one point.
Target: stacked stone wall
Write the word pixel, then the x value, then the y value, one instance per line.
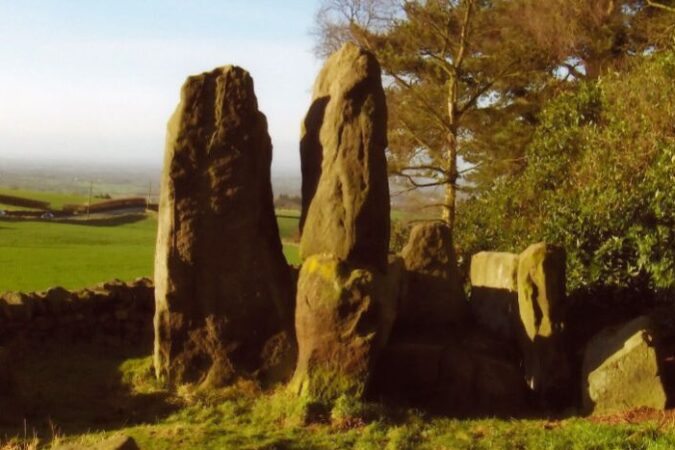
pixel 114 314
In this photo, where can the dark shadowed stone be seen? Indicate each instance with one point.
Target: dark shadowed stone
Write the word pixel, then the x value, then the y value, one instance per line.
pixel 17 306
pixel 494 292
pixel 541 306
pixel 470 375
pixel 5 371
pixel 434 294
pixel 621 370
pixel 58 299
pixel 345 190
pixel 343 318
pixel 222 284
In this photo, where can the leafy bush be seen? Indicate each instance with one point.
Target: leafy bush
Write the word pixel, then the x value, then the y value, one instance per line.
pixel 599 180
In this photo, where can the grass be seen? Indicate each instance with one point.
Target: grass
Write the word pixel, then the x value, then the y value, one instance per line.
pixel 36 255
pixel 82 395
pixel 288 220
pixel 55 199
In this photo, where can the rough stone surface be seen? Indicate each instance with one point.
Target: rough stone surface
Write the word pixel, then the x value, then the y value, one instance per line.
pixel 343 318
pixel 434 295
pixel 541 306
pixel 473 375
pixel 222 285
pixel 494 291
pixel 345 190
pixel 111 313
pixel 5 371
pixel 621 371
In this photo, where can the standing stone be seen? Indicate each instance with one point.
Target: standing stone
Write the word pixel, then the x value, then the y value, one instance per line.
pixel 434 296
pixel 621 371
pixel 343 319
pixel 494 291
pixel 222 285
pixel 345 190
pixel 541 306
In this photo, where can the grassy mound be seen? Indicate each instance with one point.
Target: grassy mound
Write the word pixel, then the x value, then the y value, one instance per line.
pixel 83 395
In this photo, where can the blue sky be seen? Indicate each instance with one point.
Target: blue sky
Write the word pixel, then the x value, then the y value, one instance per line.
pixel 95 80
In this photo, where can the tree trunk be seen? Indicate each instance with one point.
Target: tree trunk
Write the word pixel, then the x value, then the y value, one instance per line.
pixel 451 173
pixel 450 196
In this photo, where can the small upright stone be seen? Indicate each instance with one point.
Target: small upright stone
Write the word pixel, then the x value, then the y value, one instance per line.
pixel 222 285
pixel 494 291
pixel 345 190
pixel 434 296
pixel 541 306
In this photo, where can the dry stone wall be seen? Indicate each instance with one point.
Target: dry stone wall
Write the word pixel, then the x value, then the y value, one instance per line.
pixel 112 314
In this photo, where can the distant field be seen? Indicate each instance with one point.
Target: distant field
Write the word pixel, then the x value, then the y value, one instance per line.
pixel 36 255
pixel 55 199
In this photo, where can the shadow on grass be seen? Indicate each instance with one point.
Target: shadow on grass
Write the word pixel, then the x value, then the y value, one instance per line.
pixel 69 389
pixel 123 219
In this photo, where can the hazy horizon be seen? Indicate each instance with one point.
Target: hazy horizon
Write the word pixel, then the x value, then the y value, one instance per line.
pixel 95 83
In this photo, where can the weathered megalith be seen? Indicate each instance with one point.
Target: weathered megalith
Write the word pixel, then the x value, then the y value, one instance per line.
pixel 347 295
pixel 494 291
pixel 541 307
pixel 345 190
pixel 621 371
pixel 343 318
pixel 222 286
pixel 434 296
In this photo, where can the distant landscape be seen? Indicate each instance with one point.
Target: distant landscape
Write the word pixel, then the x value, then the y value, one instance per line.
pixel 337 225
pixel 38 253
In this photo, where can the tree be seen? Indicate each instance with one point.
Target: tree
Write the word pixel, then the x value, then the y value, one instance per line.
pixel 591 38
pixel 461 85
pixel 467 78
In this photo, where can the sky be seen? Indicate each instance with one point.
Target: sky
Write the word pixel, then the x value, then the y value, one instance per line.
pixel 95 81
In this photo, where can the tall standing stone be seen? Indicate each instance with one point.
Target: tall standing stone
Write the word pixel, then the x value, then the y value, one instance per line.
pixel 223 288
pixel 344 170
pixel 346 297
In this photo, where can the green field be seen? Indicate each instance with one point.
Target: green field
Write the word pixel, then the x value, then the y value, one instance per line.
pixel 55 199
pixel 36 255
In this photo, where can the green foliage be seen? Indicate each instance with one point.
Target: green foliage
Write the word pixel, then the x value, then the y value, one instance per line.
pixel 600 181
pixel 400 232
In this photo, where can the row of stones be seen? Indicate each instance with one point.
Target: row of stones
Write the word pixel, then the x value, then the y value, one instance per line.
pixel 227 304
pixel 516 298
pixel 114 312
